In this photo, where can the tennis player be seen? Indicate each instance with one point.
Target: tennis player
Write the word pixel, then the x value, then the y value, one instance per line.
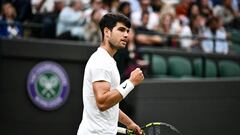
pixel 102 90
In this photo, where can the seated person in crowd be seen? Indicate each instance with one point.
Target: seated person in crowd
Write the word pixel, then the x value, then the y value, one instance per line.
pixel 137 15
pixel 71 22
pixel 227 13
pixel 205 7
pixel 190 32
pixel 92 31
pixel 125 8
pixel 9 27
pixel 45 12
pixel 94 5
pixel 216 37
pixel 145 36
pixel 169 29
pixel 197 25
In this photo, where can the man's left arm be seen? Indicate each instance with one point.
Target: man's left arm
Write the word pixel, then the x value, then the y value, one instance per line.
pixel 130 124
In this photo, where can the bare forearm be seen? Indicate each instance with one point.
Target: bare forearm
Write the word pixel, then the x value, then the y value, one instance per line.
pixel 106 98
pixel 124 119
pixel 148 40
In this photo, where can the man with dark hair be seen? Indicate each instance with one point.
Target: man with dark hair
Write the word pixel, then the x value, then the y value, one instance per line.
pixel 102 90
pixel 71 22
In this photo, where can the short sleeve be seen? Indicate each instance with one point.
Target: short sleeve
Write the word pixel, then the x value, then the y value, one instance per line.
pixel 101 75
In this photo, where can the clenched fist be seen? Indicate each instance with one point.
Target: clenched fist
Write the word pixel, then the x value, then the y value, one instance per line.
pixel 136 76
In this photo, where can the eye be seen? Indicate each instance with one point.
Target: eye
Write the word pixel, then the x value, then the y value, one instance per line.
pixel 121 29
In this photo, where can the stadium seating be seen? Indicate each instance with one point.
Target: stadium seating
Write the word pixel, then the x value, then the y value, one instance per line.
pixel 228 68
pixel 235 34
pixel 210 68
pixel 236 48
pixel 179 67
pixel 159 66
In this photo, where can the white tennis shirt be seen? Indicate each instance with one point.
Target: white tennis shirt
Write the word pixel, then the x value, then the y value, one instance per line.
pixel 100 66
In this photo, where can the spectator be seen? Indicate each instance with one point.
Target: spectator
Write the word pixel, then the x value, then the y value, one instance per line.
pixel 113 5
pixel 197 24
pixel 227 13
pixel 135 5
pixel 42 6
pixel 92 31
pixel 94 5
pixel 165 28
pixel 125 9
pixel 193 11
pixel 185 35
pixel 236 5
pixel 175 22
pixel 45 12
pixel 205 9
pixel 156 5
pixel 58 6
pixel 71 22
pixel 216 36
pixel 182 7
pixel 165 23
pixel 9 27
pixel 153 17
pixel 145 36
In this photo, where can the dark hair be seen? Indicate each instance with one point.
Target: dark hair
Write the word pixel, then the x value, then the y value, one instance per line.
pixel 121 7
pixel 145 12
pixel 110 20
pixel 212 20
pixel 189 12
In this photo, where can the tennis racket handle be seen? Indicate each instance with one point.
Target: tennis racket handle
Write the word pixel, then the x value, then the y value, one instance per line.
pixel 122 130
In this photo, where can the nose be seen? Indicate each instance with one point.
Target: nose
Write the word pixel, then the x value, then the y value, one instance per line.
pixel 125 34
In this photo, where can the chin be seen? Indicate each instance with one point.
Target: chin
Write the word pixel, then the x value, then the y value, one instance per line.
pixel 122 46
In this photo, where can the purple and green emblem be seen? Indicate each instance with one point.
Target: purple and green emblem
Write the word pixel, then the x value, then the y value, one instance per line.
pixel 48 85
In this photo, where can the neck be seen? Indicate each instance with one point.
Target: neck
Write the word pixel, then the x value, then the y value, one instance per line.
pixel 111 51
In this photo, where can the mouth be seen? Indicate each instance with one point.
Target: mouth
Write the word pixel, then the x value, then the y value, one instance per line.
pixel 124 41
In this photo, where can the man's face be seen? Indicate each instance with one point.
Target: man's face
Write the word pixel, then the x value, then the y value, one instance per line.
pixel 97 4
pixel 145 19
pixel 119 36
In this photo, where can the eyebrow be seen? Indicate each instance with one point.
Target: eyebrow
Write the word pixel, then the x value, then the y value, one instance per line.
pixel 123 28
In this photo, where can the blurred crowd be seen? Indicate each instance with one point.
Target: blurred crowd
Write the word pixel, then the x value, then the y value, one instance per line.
pixel 193 25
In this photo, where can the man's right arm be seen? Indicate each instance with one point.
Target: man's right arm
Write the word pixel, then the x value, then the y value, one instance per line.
pixel 106 98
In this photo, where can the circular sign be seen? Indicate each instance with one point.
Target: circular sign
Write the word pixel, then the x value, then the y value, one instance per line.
pixel 48 85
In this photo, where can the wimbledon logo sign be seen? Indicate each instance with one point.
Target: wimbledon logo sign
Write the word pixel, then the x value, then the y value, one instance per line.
pixel 48 85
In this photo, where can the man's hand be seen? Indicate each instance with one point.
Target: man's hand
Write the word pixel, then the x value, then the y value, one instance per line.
pixel 136 76
pixel 133 126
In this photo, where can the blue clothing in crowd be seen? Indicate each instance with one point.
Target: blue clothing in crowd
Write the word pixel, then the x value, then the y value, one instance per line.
pixel 10 29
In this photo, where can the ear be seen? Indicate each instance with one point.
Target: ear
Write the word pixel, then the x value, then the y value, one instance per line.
pixel 106 32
